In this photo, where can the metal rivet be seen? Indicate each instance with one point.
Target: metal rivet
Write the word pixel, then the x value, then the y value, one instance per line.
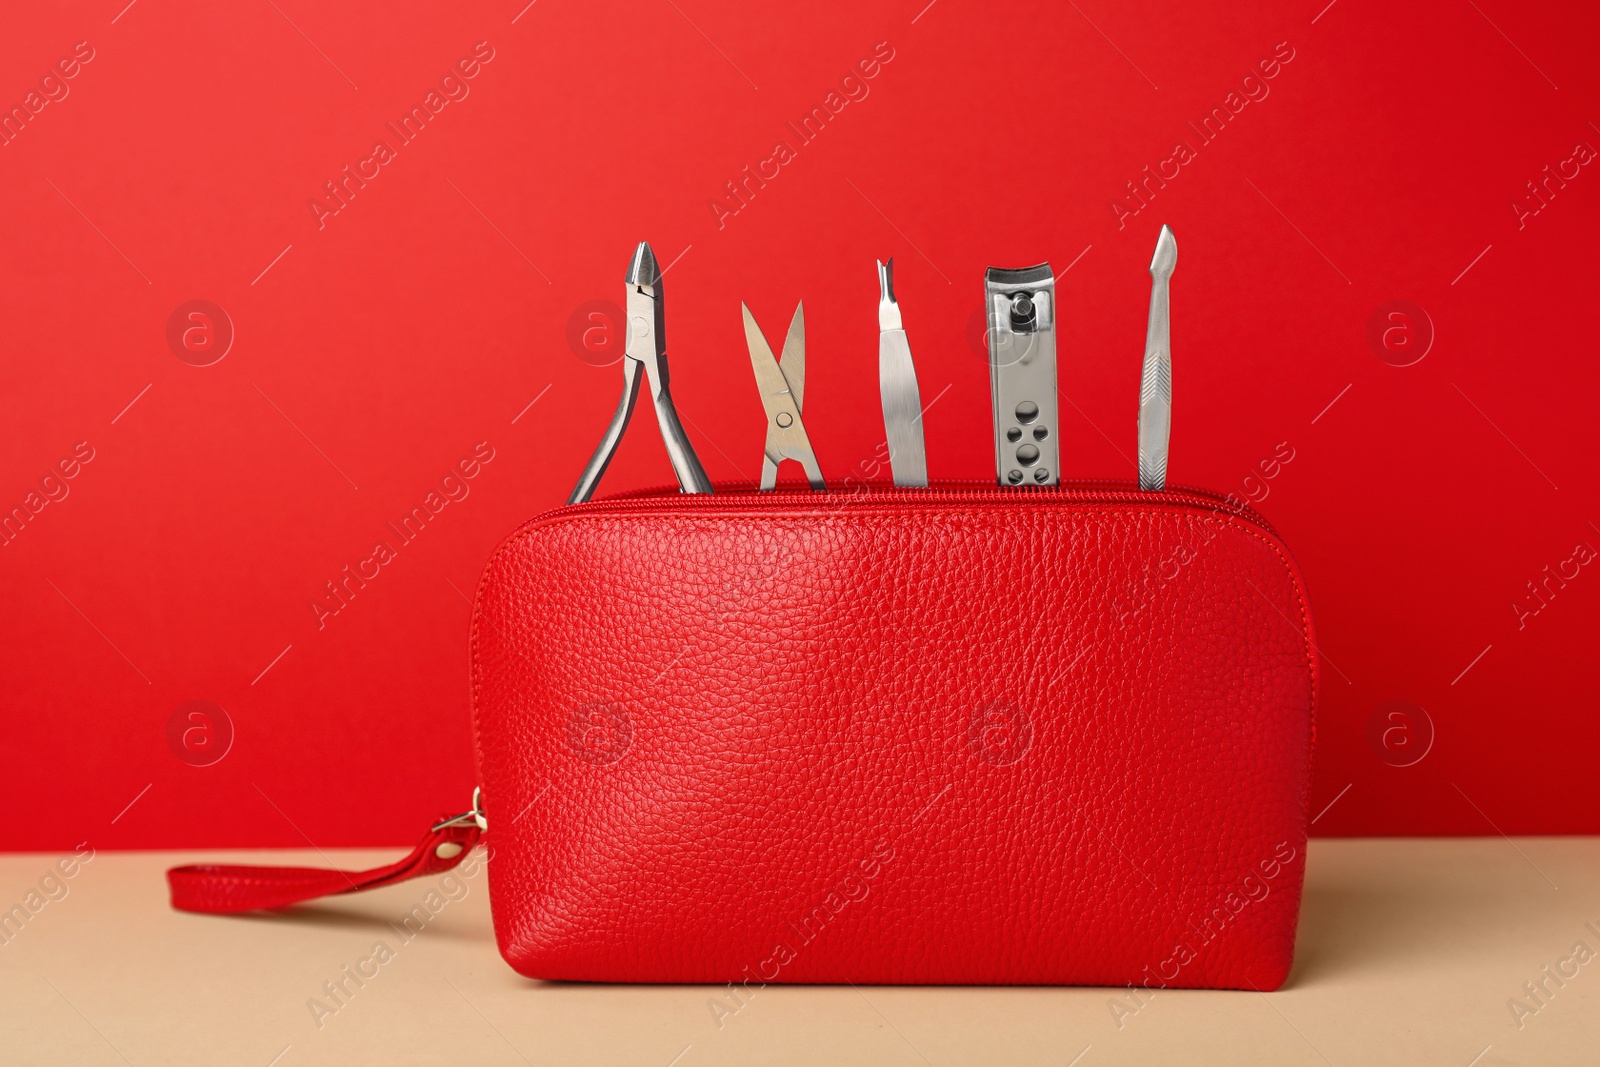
pixel 784 420
pixel 447 850
pixel 1022 313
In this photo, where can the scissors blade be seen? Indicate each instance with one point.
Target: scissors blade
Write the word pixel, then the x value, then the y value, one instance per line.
pixel 776 395
pixel 794 356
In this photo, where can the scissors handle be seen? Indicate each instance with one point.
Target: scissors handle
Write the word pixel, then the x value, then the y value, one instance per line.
pixel 805 457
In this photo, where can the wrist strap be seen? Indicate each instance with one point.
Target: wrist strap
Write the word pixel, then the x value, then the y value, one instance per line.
pixel 220 889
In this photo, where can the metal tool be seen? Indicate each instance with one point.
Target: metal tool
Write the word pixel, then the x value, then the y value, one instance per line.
pixel 783 392
pixel 897 386
pixel 1155 382
pixel 647 349
pixel 1022 373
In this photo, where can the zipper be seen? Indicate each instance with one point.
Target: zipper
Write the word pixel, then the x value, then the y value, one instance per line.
pixel 732 498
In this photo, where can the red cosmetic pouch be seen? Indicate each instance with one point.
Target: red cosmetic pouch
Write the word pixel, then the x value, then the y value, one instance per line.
pixel 950 735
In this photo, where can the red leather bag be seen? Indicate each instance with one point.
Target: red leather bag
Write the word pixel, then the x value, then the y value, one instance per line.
pixel 896 736
pixel 950 735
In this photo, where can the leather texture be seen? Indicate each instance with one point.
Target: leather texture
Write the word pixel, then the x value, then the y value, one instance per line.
pixel 224 890
pixel 955 735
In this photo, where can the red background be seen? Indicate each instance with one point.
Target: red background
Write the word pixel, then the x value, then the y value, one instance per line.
pixel 377 350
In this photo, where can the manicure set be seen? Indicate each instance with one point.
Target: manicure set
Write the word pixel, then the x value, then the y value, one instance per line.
pixel 1021 313
pixel 1033 732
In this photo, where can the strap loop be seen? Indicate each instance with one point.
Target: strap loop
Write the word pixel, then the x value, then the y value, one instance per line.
pixel 220 889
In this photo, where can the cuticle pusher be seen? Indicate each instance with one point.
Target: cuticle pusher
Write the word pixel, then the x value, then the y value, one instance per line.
pixel 897 387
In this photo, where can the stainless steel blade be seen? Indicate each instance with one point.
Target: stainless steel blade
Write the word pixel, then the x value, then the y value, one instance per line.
pixel 776 396
pixel 897 388
pixel 794 356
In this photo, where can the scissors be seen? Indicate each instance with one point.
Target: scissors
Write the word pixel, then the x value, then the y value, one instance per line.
pixel 647 349
pixel 783 391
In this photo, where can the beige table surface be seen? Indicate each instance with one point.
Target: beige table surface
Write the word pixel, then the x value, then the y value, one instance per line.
pixel 1409 953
